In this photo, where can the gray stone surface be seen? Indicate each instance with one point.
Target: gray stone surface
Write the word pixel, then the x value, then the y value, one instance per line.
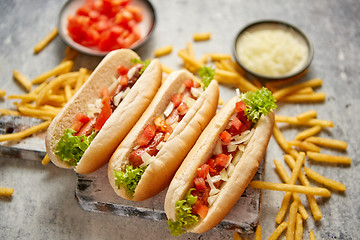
pixel 43 205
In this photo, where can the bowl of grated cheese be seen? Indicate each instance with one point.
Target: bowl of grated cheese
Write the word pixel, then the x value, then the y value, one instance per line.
pixel 273 50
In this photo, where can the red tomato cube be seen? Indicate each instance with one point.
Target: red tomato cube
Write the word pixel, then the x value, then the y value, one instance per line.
pixel 236 123
pixel 222 160
pixel 199 183
pixel 176 99
pixel 189 83
pixel 203 170
pixel 148 134
pixel 202 211
pixel 225 136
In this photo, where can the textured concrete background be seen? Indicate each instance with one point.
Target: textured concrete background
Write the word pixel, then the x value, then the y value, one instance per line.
pixel 43 205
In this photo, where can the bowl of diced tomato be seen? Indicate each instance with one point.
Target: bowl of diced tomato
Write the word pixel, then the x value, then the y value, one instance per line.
pixel 96 27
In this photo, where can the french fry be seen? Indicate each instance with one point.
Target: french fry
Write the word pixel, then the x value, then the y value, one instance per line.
pixel 315 210
pixel 20 78
pixel 237 236
pixel 288 90
pixel 2 93
pixel 310 122
pixel 278 231
pixel 80 79
pixel 166 69
pixel 189 60
pixel 290 231
pixel 27 132
pixel 304 98
pixel 327 142
pixel 204 36
pixel 312 235
pixel 46 40
pixel 285 146
pixel 9 112
pixel 159 52
pixel 219 57
pixel 305 146
pixel 36 112
pixel 283 207
pixel 70 54
pixel 299 227
pixel 258 232
pixel 63 67
pixel 317 191
pixel 321 157
pixel 243 84
pixel 306 90
pixel 24 97
pixel 45 160
pixel 307 115
pixel 324 180
pixel 6 192
pixel 68 92
pixel 308 132
pixel 190 49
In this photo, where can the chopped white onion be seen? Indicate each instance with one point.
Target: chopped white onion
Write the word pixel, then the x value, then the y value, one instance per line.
pixel 223 175
pixel 238 139
pixel 114 84
pixel 214 191
pixel 160 145
pixel 169 109
pixel 131 72
pixel 237 158
pixel 215 179
pixel 231 148
pixel 189 101
pixel 211 199
pixel 196 92
pixel 241 147
pixel 120 96
pixel 146 158
pixel 211 184
pixel 182 88
pixel 237 92
pixel 230 169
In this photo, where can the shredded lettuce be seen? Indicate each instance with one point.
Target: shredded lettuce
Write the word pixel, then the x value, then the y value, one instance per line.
pixel 71 148
pixel 184 217
pixel 144 63
pixel 258 103
pixel 207 75
pixel 129 178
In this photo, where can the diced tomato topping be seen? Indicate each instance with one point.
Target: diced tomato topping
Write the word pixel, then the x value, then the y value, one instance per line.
pixel 240 107
pixel 236 123
pixel 176 99
pixel 124 80
pixel 200 183
pixel 122 70
pixel 182 108
pixel 222 160
pixel 104 92
pixel 189 83
pixel 79 121
pixel 82 118
pixel 202 211
pixel 104 114
pixel 148 134
pixel 196 84
pixel 203 170
pixel 225 136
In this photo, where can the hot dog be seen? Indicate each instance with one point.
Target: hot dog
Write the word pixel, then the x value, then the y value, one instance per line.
pixel 149 156
pixel 86 132
pixel 221 164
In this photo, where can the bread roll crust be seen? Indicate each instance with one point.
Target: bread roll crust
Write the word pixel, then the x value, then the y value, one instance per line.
pixel 244 171
pixel 121 120
pixel 160 171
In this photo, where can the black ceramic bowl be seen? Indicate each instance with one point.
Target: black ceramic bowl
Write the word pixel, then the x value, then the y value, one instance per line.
pixel 147 25
pixel 274 24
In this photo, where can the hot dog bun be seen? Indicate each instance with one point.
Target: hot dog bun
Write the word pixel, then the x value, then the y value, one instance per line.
pixel 121 120
pixel 244 171
pixel 160 172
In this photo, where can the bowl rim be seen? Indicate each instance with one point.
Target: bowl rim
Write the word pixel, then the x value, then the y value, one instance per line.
pixel 95 52
pixel 282 23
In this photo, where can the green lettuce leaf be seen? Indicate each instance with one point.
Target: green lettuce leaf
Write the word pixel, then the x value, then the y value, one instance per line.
pixel 184 217
pixel 71 148
pixel 129 178
pixel 207 75
pixel 258 103
pixel 144 63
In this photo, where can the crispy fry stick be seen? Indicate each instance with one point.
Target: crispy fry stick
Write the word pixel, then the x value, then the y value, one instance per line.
pixel 278 231
pixel 321 157
pixel 306 146
pixel 290 231
pixel 6 192
pixel 237 236
pixel 243 84
pixel 323 192
pixel 2 93
pixel 327 142
pixel 45 41
pixel 27 111
pixel 324 180
pixel 312 235
pixel 219 56
pixel 192 61
pixel 165 50
pixel 25 133
pixel 258 232
pixel 63 67
pixel 304 181
pixel 68 92
pixel 307 115
pixel 310 122
pixel 45 160
pixel 304 98
pixel 20 78
pixel 166 69
pixel 283 208
pixel 9 112
pixel 81 79
pixel 306 90
pixel 285 146
pixel 70 54
pixel 201 36
pixel 298 227
pixel 308 132
pixel 288 90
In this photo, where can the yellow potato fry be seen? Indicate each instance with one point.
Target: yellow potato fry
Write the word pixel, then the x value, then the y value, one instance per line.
pixel 221 101
pixel 299 227
pixel 166 69
pixel 243 84
pixel 190 49
pixel 258 232
pixel 25 133
pixel 237 236
pixel 283 208
pixel 45 160
pixel 20 78
pixel 285 146
pixel 192 61
pixel 24 97
pixel 228 65
pixel 45 41
pixel 68 92
pixel 306 90
pixel 290 231
pixel 163 51
pixel 312 235
pixel 70 54
pixel 80 79
pixel 308 133
pixel 297 168
pixel 63 67
pixel 307 115
pixel 303 98
pixel 315 210
pixel 224 80
pixel 38 88
pixel 257 83
pixel 219 56
pixel 321 157
pixel 278 231
pixel 324 180
pixel 9 112
pixel 2 93
pixel 317 191
pixel 327 142
pixel 6 192
pixel 201 36
pixel 305 146
pixel 288 90
pixel 205 59
pixel 24 110
pixel 310 122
